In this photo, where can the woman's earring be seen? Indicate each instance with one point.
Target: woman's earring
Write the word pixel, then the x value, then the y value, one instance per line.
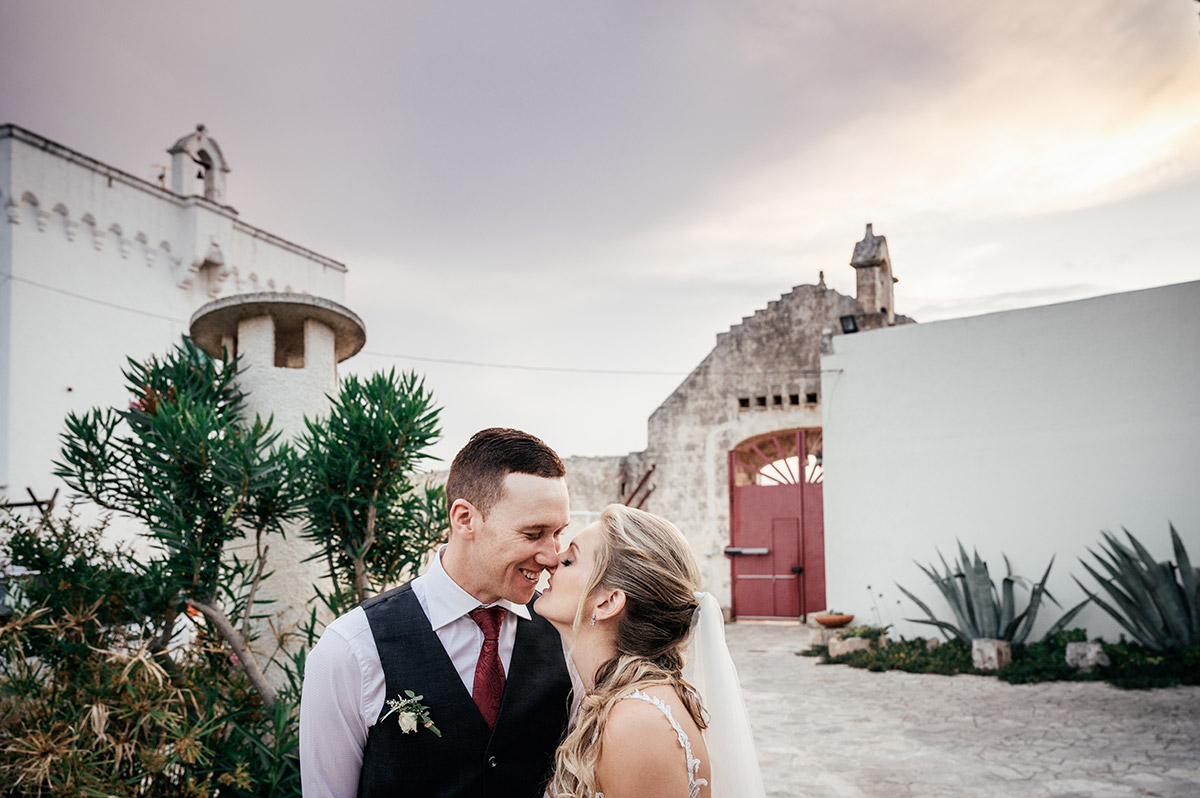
pixel 593 623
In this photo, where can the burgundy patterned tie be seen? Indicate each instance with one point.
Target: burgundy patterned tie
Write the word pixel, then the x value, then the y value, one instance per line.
pixel 489 672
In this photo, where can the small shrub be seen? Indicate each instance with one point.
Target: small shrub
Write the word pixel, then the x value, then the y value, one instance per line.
pixel 1045 661
pixel 1132 666
pixel 1136 667
pixel 873 633
pixel 910 656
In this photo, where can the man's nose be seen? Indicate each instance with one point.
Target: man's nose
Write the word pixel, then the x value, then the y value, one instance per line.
pixel 547 553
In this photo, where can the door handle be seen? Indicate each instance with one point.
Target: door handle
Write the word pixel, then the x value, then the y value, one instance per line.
pixel 797 569
pixel 733 550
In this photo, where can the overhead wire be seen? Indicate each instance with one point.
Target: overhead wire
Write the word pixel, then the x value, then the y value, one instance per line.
pixel 442 360
pixel 575 370
pixel 96 301
pixel 523 367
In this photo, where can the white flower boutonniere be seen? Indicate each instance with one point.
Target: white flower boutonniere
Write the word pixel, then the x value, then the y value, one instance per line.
pixel 411 713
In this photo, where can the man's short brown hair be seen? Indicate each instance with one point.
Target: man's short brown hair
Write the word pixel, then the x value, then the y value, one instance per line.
pixel 478 471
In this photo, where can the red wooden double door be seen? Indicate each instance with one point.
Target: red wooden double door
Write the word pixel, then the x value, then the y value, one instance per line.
pixel 777 546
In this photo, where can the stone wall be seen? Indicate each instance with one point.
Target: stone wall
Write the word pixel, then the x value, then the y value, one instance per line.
pixel 763 375
pixel 595 482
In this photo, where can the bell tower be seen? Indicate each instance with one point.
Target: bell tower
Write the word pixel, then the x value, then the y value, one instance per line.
pixel 874 305
pixel 198 150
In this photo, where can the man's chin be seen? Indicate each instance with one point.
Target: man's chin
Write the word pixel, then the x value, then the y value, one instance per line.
pixel 519 594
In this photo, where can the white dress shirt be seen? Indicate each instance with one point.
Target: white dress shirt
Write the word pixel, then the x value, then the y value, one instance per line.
pixel 344 687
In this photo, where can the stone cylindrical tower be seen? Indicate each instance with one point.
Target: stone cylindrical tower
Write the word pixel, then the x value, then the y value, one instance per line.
pixel 290 345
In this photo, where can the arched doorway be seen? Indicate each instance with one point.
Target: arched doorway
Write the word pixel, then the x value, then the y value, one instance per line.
pixel 777 525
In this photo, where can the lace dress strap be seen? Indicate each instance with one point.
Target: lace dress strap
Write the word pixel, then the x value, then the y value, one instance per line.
pixel 693 764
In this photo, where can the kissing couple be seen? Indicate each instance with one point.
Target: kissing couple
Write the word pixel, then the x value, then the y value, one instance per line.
pixel 613 683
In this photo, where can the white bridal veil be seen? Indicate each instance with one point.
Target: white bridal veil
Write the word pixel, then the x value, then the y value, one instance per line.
pixel 730 743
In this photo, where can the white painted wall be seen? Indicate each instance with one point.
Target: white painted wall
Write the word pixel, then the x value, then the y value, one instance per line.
pixel 97 265
pixel 1023 433
pixel 8 209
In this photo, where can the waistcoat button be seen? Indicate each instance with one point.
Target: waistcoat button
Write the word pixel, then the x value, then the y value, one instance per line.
pixel 493 762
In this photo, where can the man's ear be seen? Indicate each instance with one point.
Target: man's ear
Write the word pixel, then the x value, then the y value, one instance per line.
pixel 611 603
pixel 463 517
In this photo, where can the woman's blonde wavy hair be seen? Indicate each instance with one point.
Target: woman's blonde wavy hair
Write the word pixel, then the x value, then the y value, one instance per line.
pixel 648 559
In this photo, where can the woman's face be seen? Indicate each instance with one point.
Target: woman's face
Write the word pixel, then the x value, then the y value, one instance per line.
pixel 560 600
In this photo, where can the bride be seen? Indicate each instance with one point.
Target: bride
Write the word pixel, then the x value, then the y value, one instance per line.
pixel 624 599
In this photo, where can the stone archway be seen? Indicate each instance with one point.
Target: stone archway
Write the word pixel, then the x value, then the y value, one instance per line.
pixel 777 530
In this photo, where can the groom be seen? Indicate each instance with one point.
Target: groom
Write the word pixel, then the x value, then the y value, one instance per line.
pixel 490 674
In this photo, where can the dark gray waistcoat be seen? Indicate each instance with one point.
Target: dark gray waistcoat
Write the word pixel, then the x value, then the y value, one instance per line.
pixel 512 761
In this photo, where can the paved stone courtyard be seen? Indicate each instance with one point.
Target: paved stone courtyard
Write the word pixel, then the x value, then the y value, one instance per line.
pixel 831 730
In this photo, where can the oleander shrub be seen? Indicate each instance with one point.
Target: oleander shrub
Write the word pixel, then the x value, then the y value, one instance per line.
pixel 89 707
pixel 370 522
pixel 141 674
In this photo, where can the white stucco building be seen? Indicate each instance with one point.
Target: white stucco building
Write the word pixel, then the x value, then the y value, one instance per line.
pixel 1023 433
pixel 97 265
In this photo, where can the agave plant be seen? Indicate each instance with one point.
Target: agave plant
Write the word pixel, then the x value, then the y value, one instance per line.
pixel 980 609
pixel 1158 603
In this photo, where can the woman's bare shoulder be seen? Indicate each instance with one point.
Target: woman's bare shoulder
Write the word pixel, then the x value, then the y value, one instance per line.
pixel 640 753
pixel 633 716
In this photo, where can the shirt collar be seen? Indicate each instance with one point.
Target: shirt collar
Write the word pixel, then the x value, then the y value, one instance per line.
pixel 447 602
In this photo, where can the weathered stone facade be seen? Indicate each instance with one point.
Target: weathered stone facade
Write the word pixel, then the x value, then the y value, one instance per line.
pixel 763 376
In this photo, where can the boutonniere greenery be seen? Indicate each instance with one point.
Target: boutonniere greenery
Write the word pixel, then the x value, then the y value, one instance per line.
pixel 411 713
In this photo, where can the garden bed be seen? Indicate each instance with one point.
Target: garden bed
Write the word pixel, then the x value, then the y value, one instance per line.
pixel 1131 666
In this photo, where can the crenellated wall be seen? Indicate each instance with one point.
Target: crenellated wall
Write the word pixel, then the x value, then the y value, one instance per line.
pixel 763 376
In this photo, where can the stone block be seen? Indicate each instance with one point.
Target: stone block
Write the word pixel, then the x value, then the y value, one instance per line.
pixel 823 637
pixel 839 646
pixel 1086 656
pixel 990 655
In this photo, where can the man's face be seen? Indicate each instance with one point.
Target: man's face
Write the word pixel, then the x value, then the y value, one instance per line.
pixel 518 539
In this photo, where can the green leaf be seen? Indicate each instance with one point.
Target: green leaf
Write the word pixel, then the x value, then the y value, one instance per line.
pixel 1190 580
pixel 1155 602
pixel 945 627
pixel 1067 617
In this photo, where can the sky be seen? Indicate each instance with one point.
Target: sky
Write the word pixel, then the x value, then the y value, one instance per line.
pixel 551 208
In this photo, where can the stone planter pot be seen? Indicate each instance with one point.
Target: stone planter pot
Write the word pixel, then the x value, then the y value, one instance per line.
pixel 834 621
